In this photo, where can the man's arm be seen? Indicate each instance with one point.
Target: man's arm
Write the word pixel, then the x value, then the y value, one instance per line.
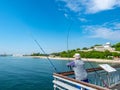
pixel 71 64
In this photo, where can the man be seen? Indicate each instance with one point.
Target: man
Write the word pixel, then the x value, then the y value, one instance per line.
pixel 78 67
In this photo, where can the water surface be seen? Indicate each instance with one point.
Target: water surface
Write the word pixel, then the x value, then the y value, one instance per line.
pixel 29 73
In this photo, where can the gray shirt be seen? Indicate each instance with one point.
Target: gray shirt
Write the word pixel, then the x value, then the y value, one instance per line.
pixel 79 70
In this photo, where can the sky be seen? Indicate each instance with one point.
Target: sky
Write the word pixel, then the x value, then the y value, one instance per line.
pixel 88 22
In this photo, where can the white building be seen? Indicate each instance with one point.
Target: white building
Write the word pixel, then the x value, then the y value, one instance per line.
pixel 107 46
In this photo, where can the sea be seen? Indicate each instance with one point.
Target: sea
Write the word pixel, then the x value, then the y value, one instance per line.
pixel 25 73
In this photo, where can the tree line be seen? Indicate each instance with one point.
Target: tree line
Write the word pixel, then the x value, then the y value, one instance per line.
pixel 91 54
pixel 86 54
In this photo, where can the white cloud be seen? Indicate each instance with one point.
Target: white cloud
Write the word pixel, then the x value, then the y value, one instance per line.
pixel 83 19
pixel 117 26
pixel 66 15
pixel 104 32
pixel 100 5
pixel 74 5
pixel 90 6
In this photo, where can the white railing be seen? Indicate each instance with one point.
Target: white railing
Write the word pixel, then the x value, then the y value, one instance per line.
pixel 65 83
pixel 110 79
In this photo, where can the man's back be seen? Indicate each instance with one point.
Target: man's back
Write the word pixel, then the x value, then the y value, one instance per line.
pixel 79 70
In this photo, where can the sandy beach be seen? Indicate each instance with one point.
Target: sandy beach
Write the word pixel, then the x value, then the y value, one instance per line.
pixel 85 59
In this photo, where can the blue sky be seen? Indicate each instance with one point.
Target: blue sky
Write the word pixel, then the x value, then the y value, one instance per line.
pixel 93 22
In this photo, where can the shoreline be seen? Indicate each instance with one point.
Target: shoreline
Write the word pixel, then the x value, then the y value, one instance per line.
pixel 84 59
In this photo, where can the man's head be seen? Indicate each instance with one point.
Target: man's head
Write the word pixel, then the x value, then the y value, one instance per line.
pixel 77 56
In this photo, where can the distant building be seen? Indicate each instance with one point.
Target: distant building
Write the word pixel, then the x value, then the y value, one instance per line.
pixel 99 48
pixel 107 46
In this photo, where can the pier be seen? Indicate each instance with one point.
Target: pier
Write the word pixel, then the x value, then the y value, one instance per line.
pixel 106 81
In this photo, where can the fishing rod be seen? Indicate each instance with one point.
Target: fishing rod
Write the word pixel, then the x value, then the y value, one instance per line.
pixel 68 34
pixel 44 53
pixel 106 85
pixel 87 60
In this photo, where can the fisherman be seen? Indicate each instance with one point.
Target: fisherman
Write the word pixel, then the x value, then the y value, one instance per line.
pixel 78 67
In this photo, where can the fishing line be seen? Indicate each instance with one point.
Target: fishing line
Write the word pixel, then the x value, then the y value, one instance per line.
pixel 40 47
pixel 68 55
pixel 68 34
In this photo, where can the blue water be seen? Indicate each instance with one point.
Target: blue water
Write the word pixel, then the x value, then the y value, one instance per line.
pixel 28 73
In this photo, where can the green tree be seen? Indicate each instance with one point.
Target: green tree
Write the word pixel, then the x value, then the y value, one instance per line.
pixel 117 46
pixel 85 48
pixel 78 49
pixel 98 45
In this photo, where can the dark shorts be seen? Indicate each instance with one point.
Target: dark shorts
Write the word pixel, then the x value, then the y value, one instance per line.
pixel 86 80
